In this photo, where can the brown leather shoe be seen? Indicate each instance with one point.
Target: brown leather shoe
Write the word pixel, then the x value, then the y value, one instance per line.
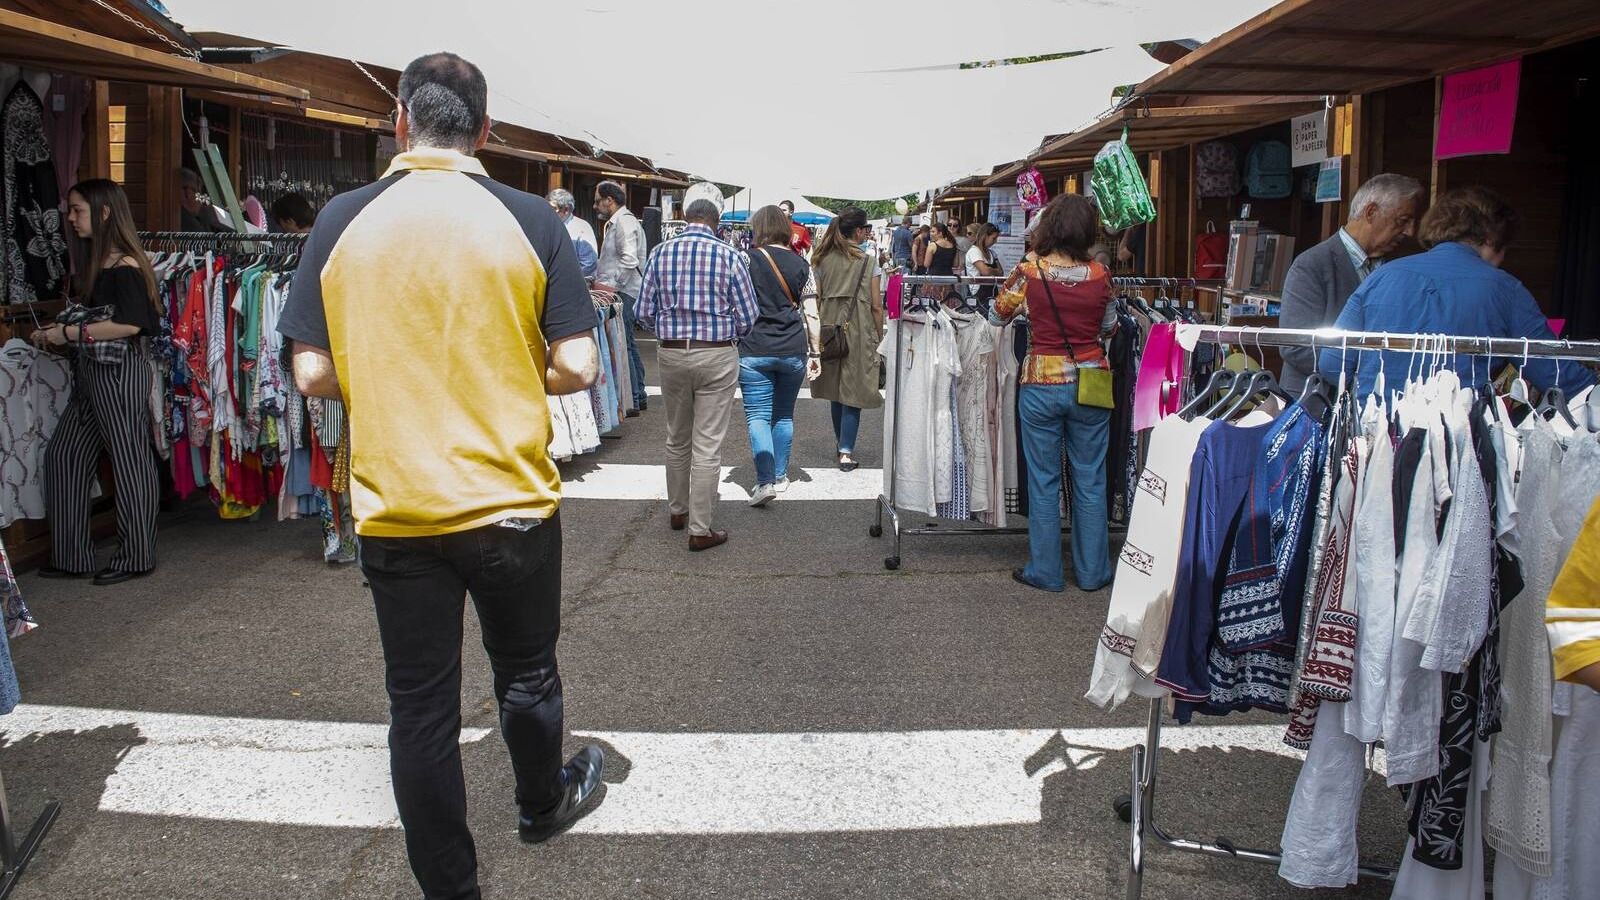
pixel 699 542
pixel 679 521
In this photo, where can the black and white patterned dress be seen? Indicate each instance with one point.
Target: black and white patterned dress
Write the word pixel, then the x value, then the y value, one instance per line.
pixel 33 248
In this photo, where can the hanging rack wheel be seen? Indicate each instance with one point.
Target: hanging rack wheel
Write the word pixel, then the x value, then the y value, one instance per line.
pixel 875 530
pixel 891 563
pixel 1123 807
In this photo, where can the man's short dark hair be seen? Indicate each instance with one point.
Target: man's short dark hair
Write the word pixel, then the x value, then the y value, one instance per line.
pixel 1068 224
pixel 703 212
pixel 447 101
pixel 293 208
pixel 612 191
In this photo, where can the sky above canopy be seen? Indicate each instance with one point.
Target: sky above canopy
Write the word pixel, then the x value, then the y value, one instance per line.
pixel 845 98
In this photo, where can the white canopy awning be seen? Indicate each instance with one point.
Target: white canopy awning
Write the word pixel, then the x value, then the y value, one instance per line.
pixel 843 98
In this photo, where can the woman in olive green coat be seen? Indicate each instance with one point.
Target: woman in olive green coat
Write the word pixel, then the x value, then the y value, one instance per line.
pixel 848 302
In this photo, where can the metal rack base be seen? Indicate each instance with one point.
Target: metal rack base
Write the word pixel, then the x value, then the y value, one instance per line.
pixel 1138 810
pixel 18 859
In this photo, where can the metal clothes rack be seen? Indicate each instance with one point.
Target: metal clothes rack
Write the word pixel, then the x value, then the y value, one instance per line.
pixel 202 237
pixel 1138 808
pixel 886 502
pixel 14 856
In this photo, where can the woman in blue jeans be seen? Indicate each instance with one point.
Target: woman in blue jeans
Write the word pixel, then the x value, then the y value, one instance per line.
pixel 1068 301
pixel 776 356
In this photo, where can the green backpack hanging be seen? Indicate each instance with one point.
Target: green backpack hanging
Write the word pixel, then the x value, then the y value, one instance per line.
pixel 1119 187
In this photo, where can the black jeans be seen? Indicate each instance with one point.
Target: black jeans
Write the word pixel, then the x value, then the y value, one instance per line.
pixel 419 586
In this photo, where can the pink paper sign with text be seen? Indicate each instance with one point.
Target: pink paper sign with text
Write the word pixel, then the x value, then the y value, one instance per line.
pixel 1478 110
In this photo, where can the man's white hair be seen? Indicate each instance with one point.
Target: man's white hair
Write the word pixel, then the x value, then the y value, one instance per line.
pixel 1387 190
pixel 562 198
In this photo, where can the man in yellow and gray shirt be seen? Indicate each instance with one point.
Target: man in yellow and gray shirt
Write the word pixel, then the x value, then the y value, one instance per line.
pixel 1572 614
pixel 444 308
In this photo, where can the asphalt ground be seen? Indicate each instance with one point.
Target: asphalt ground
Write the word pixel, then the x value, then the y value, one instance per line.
pixel 794 626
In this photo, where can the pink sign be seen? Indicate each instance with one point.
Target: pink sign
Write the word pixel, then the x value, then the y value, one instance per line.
pixel 1478 110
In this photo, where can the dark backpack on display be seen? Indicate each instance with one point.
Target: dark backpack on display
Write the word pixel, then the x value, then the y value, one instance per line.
pixel 1267 173
pixel 1216 169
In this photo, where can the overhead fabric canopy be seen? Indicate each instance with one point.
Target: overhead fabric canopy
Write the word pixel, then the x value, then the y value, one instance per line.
pixel 740 206
pixel 620 73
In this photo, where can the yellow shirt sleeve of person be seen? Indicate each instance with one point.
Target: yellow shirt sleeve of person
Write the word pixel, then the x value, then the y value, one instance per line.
pixel 1572 614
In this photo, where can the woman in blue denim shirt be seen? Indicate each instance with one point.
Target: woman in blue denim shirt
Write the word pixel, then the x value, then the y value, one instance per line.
pixel 779 352
pixel 1456 288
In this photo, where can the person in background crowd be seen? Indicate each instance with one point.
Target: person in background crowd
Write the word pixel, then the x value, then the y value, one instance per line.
pixel 900 245
pixel 778 354
pixel 1069 303
pixel 849 300
pixel 1457 287
pixel 293 214
pixel 1130 248
pixel 698 299
pixel 943 254
pixel 959 233
pixel 194 214
pixel 109 410
pixel 1098 253
pixel 982 261
pixel 1383 215
pixel 621 267
pixel 581 232
pixel 919 249
pixel 799 235
pixel 453 490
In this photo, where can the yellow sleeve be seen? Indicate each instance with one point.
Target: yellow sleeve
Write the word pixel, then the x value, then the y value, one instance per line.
pixel 1572 614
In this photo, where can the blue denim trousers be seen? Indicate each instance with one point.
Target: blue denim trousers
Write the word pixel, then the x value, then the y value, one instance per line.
pixel 770 385
pixel 1050 415
pixel 846 422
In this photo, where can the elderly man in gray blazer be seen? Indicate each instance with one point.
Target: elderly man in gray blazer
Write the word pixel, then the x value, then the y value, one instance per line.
pixel 1383 213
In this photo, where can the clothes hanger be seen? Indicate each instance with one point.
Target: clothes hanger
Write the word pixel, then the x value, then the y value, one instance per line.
pixel 1219 375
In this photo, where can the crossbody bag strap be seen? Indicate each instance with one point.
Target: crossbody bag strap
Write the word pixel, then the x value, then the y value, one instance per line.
pixel 787 292
pixel 1066 341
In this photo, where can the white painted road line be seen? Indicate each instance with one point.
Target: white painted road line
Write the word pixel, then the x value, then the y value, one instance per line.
pixel 627 481
pixel 280 771
pixel 336 774
pixel 887 781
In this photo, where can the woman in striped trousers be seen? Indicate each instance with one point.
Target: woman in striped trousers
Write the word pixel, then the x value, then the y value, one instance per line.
pixel 109 410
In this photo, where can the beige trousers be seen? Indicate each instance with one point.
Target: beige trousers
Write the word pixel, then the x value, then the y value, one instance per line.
pixel 697 388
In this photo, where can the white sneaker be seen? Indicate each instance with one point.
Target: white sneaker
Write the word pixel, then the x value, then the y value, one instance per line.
pixel 781 485
pixel 764 494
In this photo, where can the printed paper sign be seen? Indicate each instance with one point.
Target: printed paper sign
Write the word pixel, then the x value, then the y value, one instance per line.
pixel 1478 111
pixel 1308 136
pixel 1330 180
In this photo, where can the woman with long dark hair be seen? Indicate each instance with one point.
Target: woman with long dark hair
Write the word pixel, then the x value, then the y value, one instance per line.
pixel 114 313
pixel 851 312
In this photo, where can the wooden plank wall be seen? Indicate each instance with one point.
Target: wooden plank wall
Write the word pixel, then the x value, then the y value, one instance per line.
pixel 1534 176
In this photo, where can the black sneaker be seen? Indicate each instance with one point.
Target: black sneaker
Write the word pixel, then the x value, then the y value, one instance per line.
pixel 582 785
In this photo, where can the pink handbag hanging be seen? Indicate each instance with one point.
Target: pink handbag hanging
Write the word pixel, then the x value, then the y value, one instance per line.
pixel 1031 192
pixel 891 299
pixel 1156 394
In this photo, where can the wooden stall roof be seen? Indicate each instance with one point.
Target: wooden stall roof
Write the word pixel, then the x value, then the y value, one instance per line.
pixel 129 21
pixel 1317 47
pixel 62 48
pixel 339 88
pixel 1155 128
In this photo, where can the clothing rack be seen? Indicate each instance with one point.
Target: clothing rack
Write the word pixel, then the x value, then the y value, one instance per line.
pixel 886 502
pixel 217 236
pixel 1138 808
pixel 14 856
